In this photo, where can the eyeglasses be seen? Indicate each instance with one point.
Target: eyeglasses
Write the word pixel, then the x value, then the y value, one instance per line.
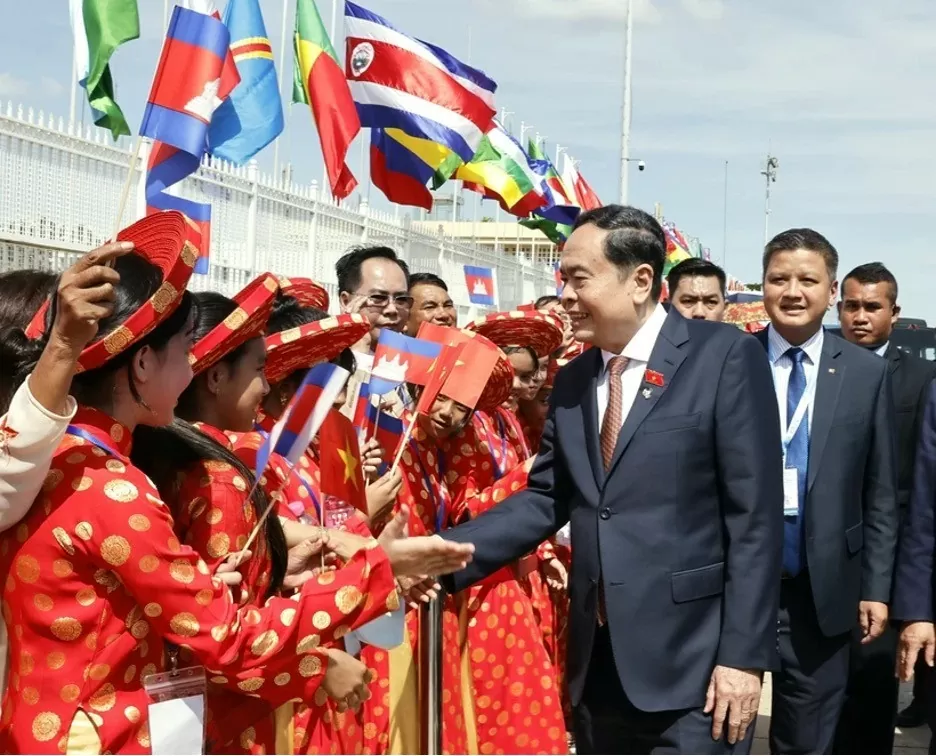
pixel 380 301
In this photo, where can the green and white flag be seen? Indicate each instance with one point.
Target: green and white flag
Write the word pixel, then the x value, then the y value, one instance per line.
pixel 99 28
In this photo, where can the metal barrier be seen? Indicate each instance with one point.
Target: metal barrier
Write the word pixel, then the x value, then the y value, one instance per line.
pixel 60 188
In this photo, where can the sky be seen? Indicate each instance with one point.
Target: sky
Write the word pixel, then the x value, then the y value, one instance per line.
pixel 839 91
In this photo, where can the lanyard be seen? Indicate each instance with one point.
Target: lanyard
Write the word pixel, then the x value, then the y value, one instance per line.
pixel 441 504
pixel 503 432
pixel 801 409
pixel 74 430
pixel 294 473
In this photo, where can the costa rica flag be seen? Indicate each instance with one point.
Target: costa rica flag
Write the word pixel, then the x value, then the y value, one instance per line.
pixel 480 283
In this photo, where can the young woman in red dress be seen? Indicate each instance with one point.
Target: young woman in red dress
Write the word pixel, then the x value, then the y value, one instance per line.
pixel 515 692
pixel 99 589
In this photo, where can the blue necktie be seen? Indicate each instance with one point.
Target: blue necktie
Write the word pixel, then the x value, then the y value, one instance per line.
pixel 797 455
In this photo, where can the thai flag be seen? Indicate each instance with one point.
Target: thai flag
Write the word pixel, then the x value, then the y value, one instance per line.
pixel 192 79
pixel 400 359
pixel 480 283
pixel 304 415
pixel 400 82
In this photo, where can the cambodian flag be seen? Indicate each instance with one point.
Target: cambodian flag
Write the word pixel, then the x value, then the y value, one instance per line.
pixel 480 283
pixel 304 415
pixel 400 359
pixel 191 81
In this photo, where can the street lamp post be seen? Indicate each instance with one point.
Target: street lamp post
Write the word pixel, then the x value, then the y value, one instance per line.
pixel 770 176
pixel 626 105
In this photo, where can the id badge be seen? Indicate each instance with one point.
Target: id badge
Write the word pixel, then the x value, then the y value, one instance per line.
pixel 177 711
pixel 337 513
pixel 790 492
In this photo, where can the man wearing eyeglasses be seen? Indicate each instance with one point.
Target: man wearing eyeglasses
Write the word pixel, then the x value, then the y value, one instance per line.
pixel 373 281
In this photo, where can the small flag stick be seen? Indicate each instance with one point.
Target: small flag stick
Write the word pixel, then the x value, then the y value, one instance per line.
pixel 125 193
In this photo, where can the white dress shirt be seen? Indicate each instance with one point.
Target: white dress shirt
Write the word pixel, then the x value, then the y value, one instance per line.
pixel 882 350
pixel 29 437
pixel 637 352
pixel 781 366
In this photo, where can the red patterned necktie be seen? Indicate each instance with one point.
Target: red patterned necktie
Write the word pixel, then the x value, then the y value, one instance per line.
pixel 610 429
pixel 613 417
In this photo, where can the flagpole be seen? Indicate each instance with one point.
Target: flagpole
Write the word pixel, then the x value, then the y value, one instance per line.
pixel 73 85
pixel 626 105
pixel 282 67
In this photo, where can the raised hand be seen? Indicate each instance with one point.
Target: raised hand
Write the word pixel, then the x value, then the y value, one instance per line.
pixel 86 294
pixel 371 457
pixel 300 565
pixel 423 555
pixel 382 495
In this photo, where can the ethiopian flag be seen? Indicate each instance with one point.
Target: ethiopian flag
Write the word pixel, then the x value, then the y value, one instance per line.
pixel 319 81
pixel 100 27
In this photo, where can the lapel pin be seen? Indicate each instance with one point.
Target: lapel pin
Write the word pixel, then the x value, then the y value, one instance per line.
pixel 647 392
pixel 831 370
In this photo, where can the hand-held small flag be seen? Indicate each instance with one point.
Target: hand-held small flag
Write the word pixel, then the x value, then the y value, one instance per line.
pixel 401 359
pixel 340 462
pixel 299 423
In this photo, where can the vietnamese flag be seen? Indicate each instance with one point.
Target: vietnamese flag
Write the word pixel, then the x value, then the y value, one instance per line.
pixel 319 81
pixel 340 462
pixel 440 370
pixel 470 372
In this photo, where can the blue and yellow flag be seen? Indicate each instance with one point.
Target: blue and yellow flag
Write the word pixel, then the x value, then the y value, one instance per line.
pixel 253 115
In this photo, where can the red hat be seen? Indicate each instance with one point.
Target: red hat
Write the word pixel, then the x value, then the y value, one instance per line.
pixel 249 320
pixel 160 239
pixel 305 291
pixel 540 331
pixel 312 343
pixel 552 370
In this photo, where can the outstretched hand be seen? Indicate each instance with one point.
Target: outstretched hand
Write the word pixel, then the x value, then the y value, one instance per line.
pixel 422 555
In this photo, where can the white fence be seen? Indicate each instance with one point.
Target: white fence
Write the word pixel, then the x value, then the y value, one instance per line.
pixel 59 192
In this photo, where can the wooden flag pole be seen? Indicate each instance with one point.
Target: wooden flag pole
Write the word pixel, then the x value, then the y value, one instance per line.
pixel 125 193
pixel 406 437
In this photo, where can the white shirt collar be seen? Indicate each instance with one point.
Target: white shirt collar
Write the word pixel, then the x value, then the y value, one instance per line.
pixel 882 350
pixel 640 347
pixel 777 346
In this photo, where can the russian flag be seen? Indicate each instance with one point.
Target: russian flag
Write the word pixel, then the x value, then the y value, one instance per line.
pixel 192 79
pixel 304 415
pixel 401 359
pixel 402 83
pixel 480 283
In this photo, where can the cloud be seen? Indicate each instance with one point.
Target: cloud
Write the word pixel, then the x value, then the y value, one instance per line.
pixel 645 11
pixel 51 87
pixel 12 86
pixel 706 10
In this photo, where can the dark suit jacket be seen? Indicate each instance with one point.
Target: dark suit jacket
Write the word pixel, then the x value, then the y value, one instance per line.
pixel 685 531
pixel 851 492
pixel 914 586
pixel 910 379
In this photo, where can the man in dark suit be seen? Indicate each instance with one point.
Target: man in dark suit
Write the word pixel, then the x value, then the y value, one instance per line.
pixel 840 499
pixel 662 447
pixel 868 312
pixel 914 586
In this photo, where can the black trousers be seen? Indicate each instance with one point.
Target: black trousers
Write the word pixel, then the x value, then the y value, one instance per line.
pixel 809 687
pixel 607 722
pixel 870 711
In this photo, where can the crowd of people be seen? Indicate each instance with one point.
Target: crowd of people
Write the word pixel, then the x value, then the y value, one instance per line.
pixel 638 512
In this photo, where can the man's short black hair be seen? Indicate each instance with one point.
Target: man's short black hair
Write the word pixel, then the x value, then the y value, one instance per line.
pixel 692 268
pixel 348 267
pixel 545 301
pixel 634 238
pixel 802 238
pixel 429 279
pixel 873 273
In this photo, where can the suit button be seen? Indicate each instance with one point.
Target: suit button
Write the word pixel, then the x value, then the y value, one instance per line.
pixel 605 514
